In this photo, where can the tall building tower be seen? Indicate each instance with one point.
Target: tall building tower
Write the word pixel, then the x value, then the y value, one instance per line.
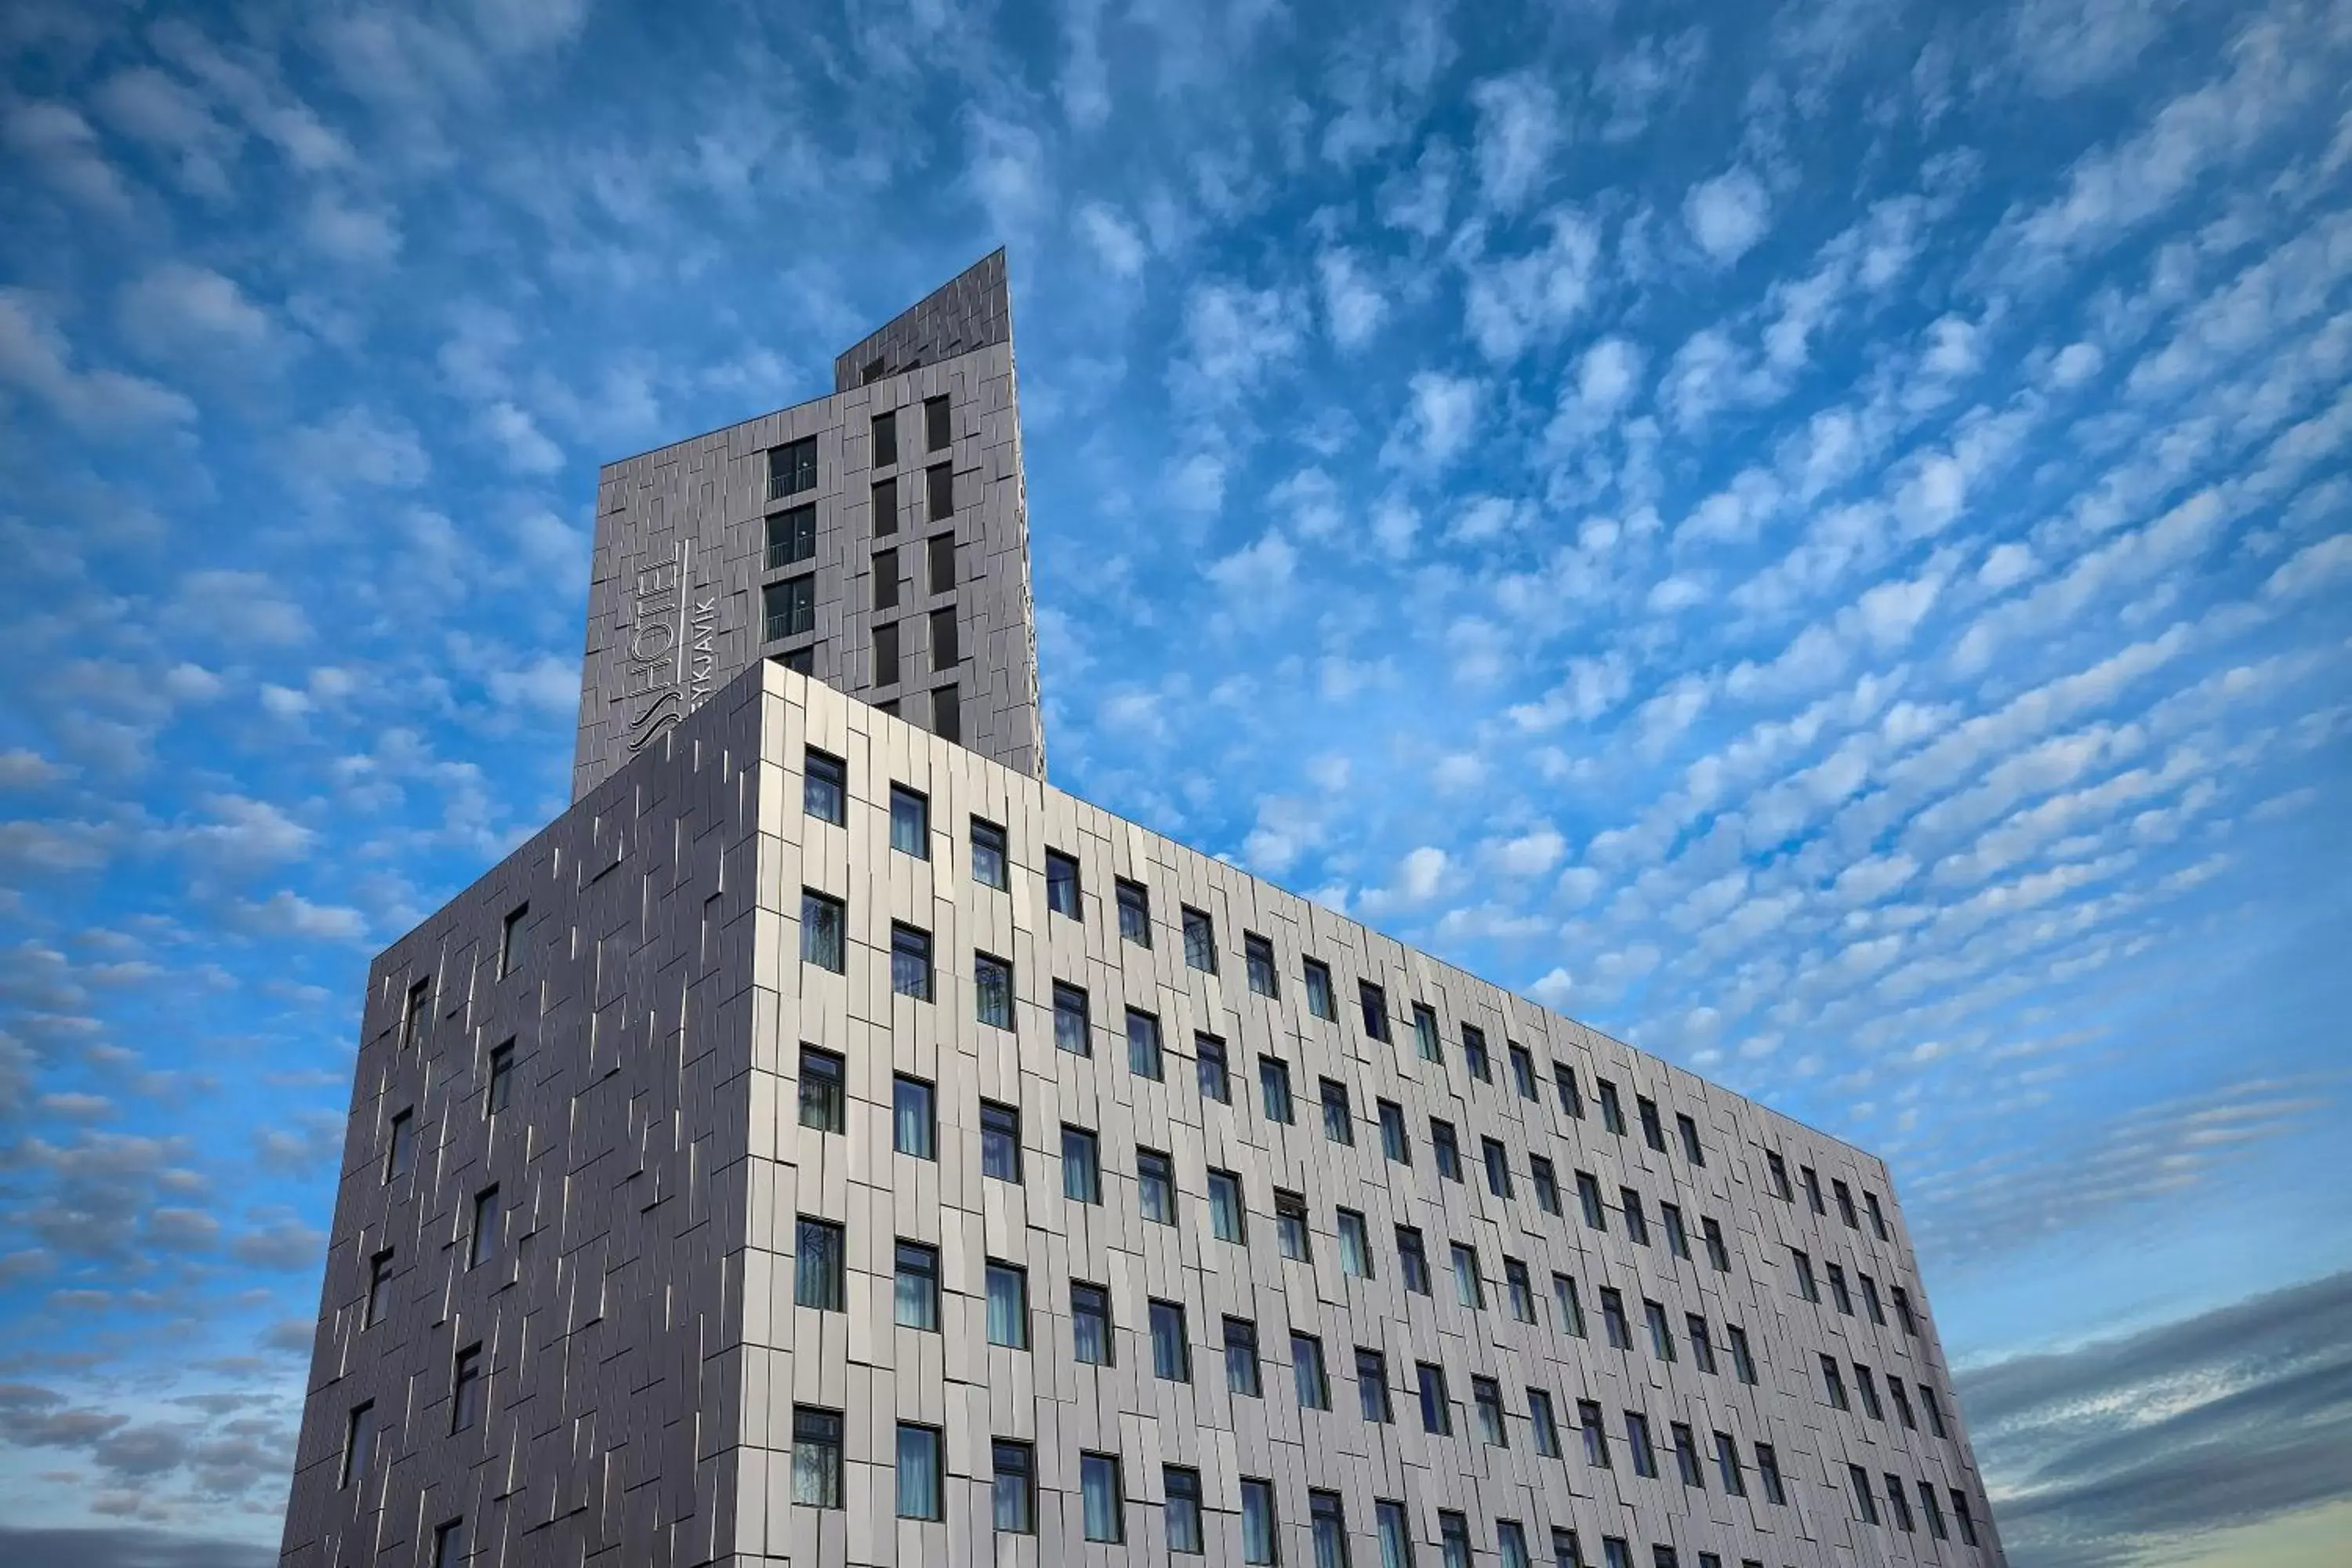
pixel 828 1143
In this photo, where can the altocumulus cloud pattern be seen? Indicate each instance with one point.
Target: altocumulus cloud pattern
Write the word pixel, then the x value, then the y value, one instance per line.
pixel 1814 538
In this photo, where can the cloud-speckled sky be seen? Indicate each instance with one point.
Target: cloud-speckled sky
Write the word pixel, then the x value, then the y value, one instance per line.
pixel 1815 540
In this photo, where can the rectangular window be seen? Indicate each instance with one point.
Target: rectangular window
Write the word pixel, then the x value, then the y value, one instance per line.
pixel 915 1300
pixel 789 608
pixel 359 1443
pixel 1863 1502
pixel 1000 1141
pixel 1012 1490
pixel 1226 1221
pixel 1662 1338
pixel 501 1086
pixel 1318 990
pixel 946 714
pixel 1613 1318
pixel 1172 1353
pixel 911 961
pixel 1339 1123
pixel 1209 1059
pixel 1637 1440
pixel 1545 1183
pixel 1511 1543
pixel 1637 1225
pixel 1394 1529
pixel 1742 1364
pixel 1837 1288
pixel 1565 1551
pixel 823 921
pixel 1257 959
pixel 1327 1529
pixel 886 438
pixel 1062 884
pixel 1870 1298
pixel 792 468
pixel 1543 1426
pixel 1072 1032
pixel 1469 1283
pixel 1486 1399
pixel 1449 1153
pixel 1877 1214
pixel 1412 1262
pixel 886 653
pixel 936 432
pixel 1844 1195
pixel 824 787
pixel 1306 1375
pixel 1902 1403
pixel 1454 1539
pixel 1523 1069
pixel 943 640
pixel 921 1487
pixel 1596 1436
pixel 1935 1411
pixel 379 1291
pixel 1702 1347
pixel 1081 1171
pixel 489 1222
pixel 1866 1387
pixel 1726 1465
pixel 1180 1514
pixel 991 990
pixel 1588 1197
pixel 1961 1517
pixel 1436 1412
pixel 1393 1142
pixel 1257 1521
pixel 466 1389
pixel 910 822
pixel 816 1457
pixel 1518 1290
pixel 1290 1229
pixel 1155 1180
pixel 1805 1285
pixel 825 1100
pixel 1718 1255
pixel 1777 1169
pixel 1677 1238
pixel 988 856
pixel 1241 1358
pixel 1134 910
pixel 1355 1244
pixel 415 1012
pixel 1686 1456
pixel 1689 1130
pixel 914 1118
pixel 1143 1045
pixel 1008 1305
pixel 1612 1113
pixel 1424 1033
pixel 1903 1311
pixel 1935 1514
pixel 1897 1503
pixel 511 936
pixel 1498 1166
pixel 1564 1078
pixel 820 1265
pixel 1090 1339
pixel 1474 1052
pixel 1372 1386
pixel 886 562
pixel 1273 1090
pixel 1102 1503
pixel 791 537
pixel 1768 1471
pixel 1834 1384
pixel 1200 942
pixel 1813 1189
pixel 1568 1305
pixel 1652 1133
pixel 938 494
pixel 1375 1002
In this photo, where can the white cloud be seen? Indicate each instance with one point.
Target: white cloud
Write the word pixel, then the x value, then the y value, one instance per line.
pixel 1420 874
pixel 59 146
pixel 1234 335
pixel 1438 422
pixel 2312 568
pixel 1727 215
pixel 352 449
pixel 240 607
pixel 35 355
pixel 1529 854
pixel 1197 483
pixel 1115 242
pixel 1007 174
pixel 519 439
pixel 1519 131
pixel 1258 572
pixel 1352 308
pixel 545 685
pixel 1552 989
pixel 288 914
pixel 177 312
pixel 1518 300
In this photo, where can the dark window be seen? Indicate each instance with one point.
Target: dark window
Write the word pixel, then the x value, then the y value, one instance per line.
pixel 791 607
pixel 501 1085
pixel 991 990
pixel 1008 1305
pixel 910 822
pixel 1498 1167
pixel 1424 1033
pixel 1961 1517
pixel 1569 1305
pixel 886 653
pixel 1935 1515
pixel 1012 1504
pixel 1339 1124
pixel 1860 1479
pixel 1473 1053
pixel 510 932
pixel 1273 1090
pixel 359 1443
pixel 791 537
pixel 1290 1229
pixel 1877 1214
pixel 1689 1130
pixel 1870 1298
pixel 946 714
pixel 1469 1282
pixel 1090 1339
pixel 943 640
pixel 799 661
pixel 1677 1238
pixel 1545 1183
pixel 1813 1189
pixel 1613 1114
pixel 823 921
pixel 449 1544
pixel 1306 1375
pixel 938 490
pixel 1436 1414
pixel 1805 1285
pixel 816 1457
pixel 791 468
pixel 1596 1436
pixel 1523 1071
pixel 466 1389
pixel 1000 1141
pixel 1210 1055
pixel 988 856
pixel 1143 1059
pixel 1134 910
pixel 1393 1526
pixel 1241 1357
pixel 1588 1197
pixel 936 431
pixel 1412 1262
pixel 1228 1218
pixel 1372 1386
pixel 1319 991
pixel 1511 1543
pixel 1486 1398
pixel 1768 1470
pixel 1257 1521
pixel 915 1301
pixel 1777 1169
pixel 378 1287
pixel 1903 1311
pixel 922 1488
pixel 1837 1288
pixel 1662 1338
pixel 1563 1079
pixel 1200 942
pixel 1182 1511
pixel 1327 1528
pixel 1702 1347
pixel 1686 1456
pixel 1454 1539
pixel 825 786
pixel 1081 1169
pixel 940 551
pixel 1061 884
pixel 1376 1009
pixel 1652 1133
pixel 825 1101
pixel 886 523
pixel 1613 1318
pixel 1072 1031
pixel 914 1118
pixel 1449 1153
pixel 1844 1195
pixel 1935 1411
pixel 1155 1176
pixel 1637 1225
pixel 911 961
pixel 414 1012
pixel 1257 955
pixel 1902 1403
pixel 1743 1364
pixel 820 1265
pixel 489 1221
pixel 1393 1141
pixel 1637 1439
pixel 1726 1465
pixel 1868 1387
pixel 1834 1384
pixel 886 579
pixel 1543 1426
pixel 1172 1353
pixel 1716 1253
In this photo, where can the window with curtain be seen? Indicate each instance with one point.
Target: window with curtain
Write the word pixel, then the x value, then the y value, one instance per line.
pixel 1394 1527
pixel 1008 1305
pixel 1257 1521
pixel 818 1266
pixel 1090 1339
pixel 1328 1526
pixel 991 990
pixel 917 1297
pixel 1181 1487
pixel 1000 1141
pixel 911 961
pixel 1081 1172
pixel 816 1457
pixel 914 1123
pixel 822 922
pixel 921 1488
pixel 1070 1032
pixel 1143 1045
pixel 1098 1496
pixel 1013 1492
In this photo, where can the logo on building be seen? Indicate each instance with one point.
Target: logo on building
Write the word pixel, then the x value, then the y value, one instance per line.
pixel 673 653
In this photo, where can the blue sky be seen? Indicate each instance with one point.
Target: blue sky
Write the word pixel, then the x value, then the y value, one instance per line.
pixel 1815 540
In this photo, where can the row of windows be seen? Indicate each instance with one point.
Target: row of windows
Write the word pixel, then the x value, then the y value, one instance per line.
pixel 1809 1289
pixel 792 468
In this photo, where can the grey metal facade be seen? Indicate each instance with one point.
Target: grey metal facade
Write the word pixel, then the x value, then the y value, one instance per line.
pixel 636 1075
pixel 687 554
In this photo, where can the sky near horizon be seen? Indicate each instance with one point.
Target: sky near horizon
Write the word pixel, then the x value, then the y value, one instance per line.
pixel 1816 540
